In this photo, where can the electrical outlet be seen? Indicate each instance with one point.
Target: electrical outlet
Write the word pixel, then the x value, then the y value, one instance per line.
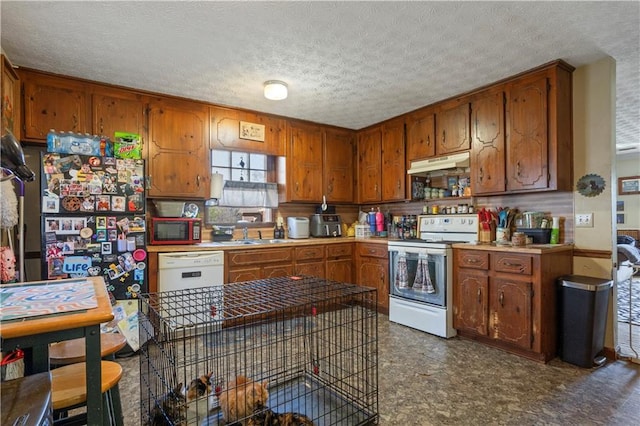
pixel 584 220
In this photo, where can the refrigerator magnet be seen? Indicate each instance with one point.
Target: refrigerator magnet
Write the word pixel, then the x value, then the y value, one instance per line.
pixel 50 204
pixel 86 233
pixel 139 255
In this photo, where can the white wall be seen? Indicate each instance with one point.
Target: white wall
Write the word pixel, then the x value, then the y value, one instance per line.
pixel 594 153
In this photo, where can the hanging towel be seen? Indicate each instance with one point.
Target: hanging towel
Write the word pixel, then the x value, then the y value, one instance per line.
pixel 419 281
pixel 402 278
pixel 428 284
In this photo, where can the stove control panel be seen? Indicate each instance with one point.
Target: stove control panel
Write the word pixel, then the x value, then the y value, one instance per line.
pixel 459 223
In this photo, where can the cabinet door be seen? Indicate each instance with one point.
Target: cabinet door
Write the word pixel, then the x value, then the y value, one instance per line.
pixel 270 131
pixel 510 318
pixel 487 150
pixel 369 165
pixel 115 112
pixel 277 271
pixel 420 136
pixel 393 161
pixel 313 269
pixel 179 154
pixel 373 272
pixel 470 302
pixel 304 162
pixel 527 137
pixel 452 128
pixel 338 165
pixel 11 99
pixel 54 103
pixel 340 270
pixel 246 274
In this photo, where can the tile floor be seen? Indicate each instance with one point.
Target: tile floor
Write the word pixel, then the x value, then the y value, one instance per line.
pixel 427 380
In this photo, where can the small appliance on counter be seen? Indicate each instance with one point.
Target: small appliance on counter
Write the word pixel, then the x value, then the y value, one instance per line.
pixel 298 227
pixel 326 225
pixel 175 230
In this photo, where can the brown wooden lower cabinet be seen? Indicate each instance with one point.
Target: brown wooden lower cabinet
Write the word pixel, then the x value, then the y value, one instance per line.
pixel 372 270
pixel 508 300
pixel 310 261
pixel 339 262
pixel 245 265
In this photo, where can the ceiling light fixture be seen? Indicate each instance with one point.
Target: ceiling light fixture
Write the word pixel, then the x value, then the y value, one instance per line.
pixel 275 90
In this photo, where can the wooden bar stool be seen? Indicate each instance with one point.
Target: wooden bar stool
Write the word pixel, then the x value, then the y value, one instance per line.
pixel 69 390
pixel 72 351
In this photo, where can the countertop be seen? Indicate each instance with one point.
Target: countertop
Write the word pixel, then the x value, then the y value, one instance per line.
pixel 260 244
pixel 530 248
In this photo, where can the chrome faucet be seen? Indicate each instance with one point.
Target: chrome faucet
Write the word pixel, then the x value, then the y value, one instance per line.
pixel 245 233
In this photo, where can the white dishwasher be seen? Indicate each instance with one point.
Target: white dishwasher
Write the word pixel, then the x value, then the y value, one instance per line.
pixel 190 269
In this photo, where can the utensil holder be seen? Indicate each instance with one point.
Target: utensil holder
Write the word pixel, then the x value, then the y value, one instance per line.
pixel 487 235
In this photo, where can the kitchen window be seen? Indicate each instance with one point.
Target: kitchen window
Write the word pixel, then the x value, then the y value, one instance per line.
pixel 246 172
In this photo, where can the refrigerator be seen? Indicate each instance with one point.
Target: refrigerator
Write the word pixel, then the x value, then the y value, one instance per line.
pixel 93 221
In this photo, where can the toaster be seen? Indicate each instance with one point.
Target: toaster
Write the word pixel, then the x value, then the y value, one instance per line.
pixel 298 227
pixel 326 225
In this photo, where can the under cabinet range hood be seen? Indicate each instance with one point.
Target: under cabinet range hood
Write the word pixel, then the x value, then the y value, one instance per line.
pixel 452 161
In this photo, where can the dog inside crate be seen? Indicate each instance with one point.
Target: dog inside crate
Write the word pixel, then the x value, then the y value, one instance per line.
pixel 289 351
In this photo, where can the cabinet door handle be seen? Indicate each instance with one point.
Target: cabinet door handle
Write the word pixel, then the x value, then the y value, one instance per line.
pixel 75 121
pixel 502 299
pixel 428 141
pixel 444 136
pixel 398 183
pixel 518 168
pixel 198 181
pixel 375 187
pixel 479 295
pixel 481 175
pixel 473 261
pixel 297 186
pixel 101 126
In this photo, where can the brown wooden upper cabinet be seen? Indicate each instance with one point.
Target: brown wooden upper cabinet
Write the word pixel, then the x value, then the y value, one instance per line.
pixel 420 135
pixel 393 160
pixel 179 157
pixel 11 108
pixel 52 102
pixel 304 162
pixel 270 137
pixel 488 143
pixel 381 162
pixel 338 167
pixel 319 162
pixel 539 130
pixel 452 127
pixel 117 111
pixel 521 133
pixel 369 178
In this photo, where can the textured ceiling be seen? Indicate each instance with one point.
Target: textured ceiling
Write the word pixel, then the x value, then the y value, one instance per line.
pixel 349 64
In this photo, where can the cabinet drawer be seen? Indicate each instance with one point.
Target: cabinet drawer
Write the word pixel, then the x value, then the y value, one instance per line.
pixel 309 252
pixel 473 259
pixel 512 263
pixel 373 250
pixel 339 250
pixel 252 257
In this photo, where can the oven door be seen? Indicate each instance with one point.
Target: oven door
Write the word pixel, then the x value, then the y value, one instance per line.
pixel 419 274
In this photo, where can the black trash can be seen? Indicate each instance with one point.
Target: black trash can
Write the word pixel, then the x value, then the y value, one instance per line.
pixel 582 317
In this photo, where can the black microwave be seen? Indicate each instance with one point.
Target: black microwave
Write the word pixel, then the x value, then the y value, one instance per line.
pixel 175 230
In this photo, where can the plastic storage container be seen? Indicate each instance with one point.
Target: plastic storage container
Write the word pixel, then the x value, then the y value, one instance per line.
pixel 582 317
pixel 539 235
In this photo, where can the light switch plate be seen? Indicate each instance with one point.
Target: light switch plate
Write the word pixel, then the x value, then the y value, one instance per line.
pixel 584 220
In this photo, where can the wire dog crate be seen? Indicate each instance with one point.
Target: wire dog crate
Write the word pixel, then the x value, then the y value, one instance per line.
pixel 313 341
